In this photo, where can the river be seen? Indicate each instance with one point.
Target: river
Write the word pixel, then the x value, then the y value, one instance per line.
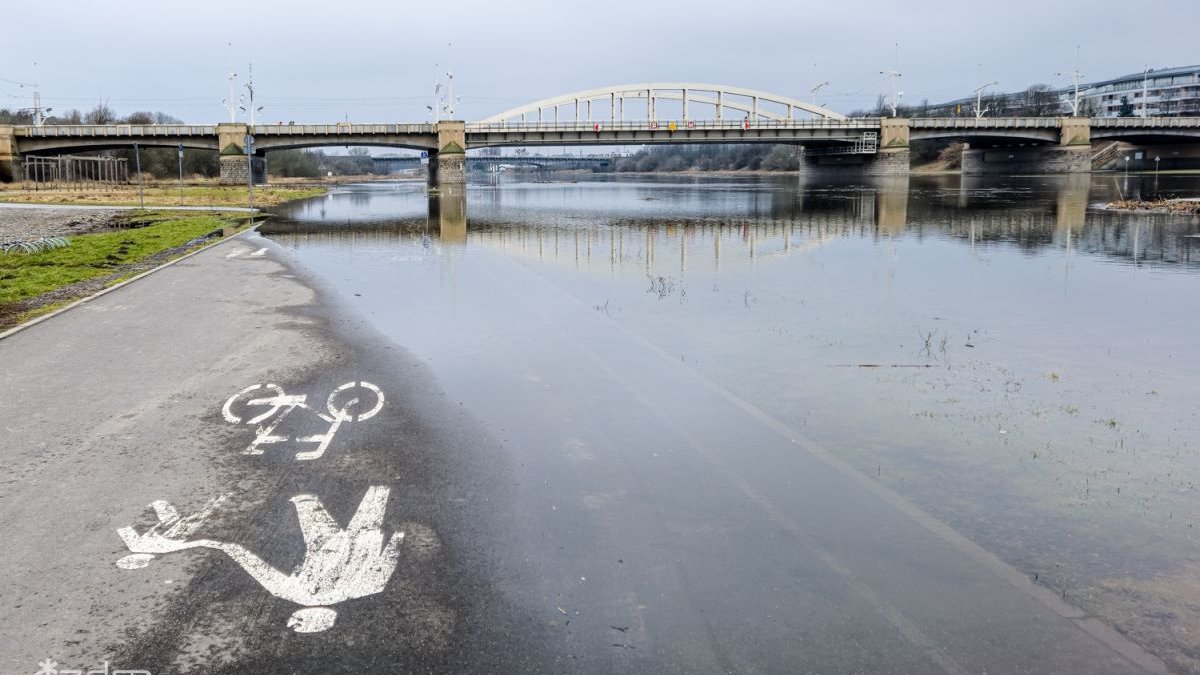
pixel 1004 356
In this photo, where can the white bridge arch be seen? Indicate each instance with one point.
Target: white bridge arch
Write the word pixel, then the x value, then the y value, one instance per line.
pixel 745 102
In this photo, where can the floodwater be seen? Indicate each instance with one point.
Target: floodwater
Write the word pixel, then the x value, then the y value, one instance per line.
pixel 1018 363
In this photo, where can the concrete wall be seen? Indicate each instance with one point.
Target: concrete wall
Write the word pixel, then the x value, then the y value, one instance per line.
pixel 884 163
pixel 1170 157
pixel 1033 160
pixel 448 165
pixel 10 159
pixel 1075 131
pixel 233 170
pixel 894 133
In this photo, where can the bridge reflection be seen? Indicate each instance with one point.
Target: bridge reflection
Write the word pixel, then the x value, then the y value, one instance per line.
pixel 662 227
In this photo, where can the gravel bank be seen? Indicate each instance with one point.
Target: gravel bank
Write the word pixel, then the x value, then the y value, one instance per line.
pixel 28 224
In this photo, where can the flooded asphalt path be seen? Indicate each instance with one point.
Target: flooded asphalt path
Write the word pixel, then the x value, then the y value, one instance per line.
pixel 117 404
pixel 576 506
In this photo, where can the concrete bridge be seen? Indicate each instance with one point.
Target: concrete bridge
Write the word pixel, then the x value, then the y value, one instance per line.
pixel 663 113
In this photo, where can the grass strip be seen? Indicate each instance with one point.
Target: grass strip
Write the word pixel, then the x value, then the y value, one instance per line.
pixel 25 276
pixel 162 195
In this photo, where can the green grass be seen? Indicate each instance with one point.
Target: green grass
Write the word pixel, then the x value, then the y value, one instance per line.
pixel 24 276
pixel 161 195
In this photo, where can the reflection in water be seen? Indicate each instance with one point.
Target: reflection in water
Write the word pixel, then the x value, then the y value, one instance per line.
pixel 448 214
pixel 1046 212
pixel 1042 401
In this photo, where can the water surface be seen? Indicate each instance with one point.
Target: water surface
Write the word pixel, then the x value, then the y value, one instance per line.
pixel 1005 354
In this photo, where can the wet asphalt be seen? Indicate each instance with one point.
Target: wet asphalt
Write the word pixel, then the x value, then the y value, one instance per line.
pixel 591 509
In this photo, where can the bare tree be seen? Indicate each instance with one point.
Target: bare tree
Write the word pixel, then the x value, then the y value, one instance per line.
pixel 101 114
pixel 1040 101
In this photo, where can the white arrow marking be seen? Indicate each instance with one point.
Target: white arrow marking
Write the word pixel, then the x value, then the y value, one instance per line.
pixel 259 253
pixel 339 563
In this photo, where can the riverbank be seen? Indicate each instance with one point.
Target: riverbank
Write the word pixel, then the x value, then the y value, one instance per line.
pixel 53 259
pixel 160 194
pixel 1180 206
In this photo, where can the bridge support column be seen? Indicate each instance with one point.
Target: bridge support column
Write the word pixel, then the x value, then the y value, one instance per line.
pixel 235 166
pixel 234 169
pixel 1073 154
pixel 893 162
pixel 448 164
pixel 891 159
pixel 10 159
pixel 1029 160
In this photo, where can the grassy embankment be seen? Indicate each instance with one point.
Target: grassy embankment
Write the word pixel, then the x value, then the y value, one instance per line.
pixel 158 194
pixel 36 283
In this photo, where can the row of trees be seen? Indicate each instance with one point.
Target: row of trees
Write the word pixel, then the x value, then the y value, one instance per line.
pixel 752 157
pixel 314 163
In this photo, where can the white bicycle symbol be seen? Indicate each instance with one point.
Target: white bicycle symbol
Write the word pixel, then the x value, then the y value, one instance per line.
pixel 362 401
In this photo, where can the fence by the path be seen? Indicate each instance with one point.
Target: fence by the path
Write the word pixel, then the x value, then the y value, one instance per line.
pixel 71 172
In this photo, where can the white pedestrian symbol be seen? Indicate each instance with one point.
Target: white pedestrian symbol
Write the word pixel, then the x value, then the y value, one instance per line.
pixel 339 563
pixel 353 401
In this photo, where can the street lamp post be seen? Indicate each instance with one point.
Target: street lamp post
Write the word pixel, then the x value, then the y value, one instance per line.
pixel 1075 77
pixel 1145 76
pixel 1126 166
pixel 181 174
pixel 814 91
pixel 979 111
pixel 137 158
pixel 249 143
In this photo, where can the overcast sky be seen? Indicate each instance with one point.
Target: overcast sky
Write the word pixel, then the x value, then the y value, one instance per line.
pixel 378 61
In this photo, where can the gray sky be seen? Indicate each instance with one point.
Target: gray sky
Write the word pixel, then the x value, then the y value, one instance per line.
pixel 375 61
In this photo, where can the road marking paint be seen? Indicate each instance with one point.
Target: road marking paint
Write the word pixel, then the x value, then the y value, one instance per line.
pixel 340 563
pixel 135 561
pixel 160 538
pixel 259 253
pixel 235 253
pixel 365 385
pixel 280 405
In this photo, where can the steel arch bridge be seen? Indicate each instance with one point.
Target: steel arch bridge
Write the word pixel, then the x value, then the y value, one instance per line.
pixel 746 103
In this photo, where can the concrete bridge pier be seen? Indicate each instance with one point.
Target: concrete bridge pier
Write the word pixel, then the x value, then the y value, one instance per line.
pixel 1073 154
pixel 448 163
pixel 10 159
pixel 235 166
pixel 892 158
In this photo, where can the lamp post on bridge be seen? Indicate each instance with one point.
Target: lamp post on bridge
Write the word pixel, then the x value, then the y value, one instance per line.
pixel 814 91
pixel 894 73
pixel 1145 88
pixel 979 111
pixel 1075 77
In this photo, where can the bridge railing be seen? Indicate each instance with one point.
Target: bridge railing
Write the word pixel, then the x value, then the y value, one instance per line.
pixel 1146 122
pixel 115 130
pixel 341 129
pixel 985 123
pixel 669 125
